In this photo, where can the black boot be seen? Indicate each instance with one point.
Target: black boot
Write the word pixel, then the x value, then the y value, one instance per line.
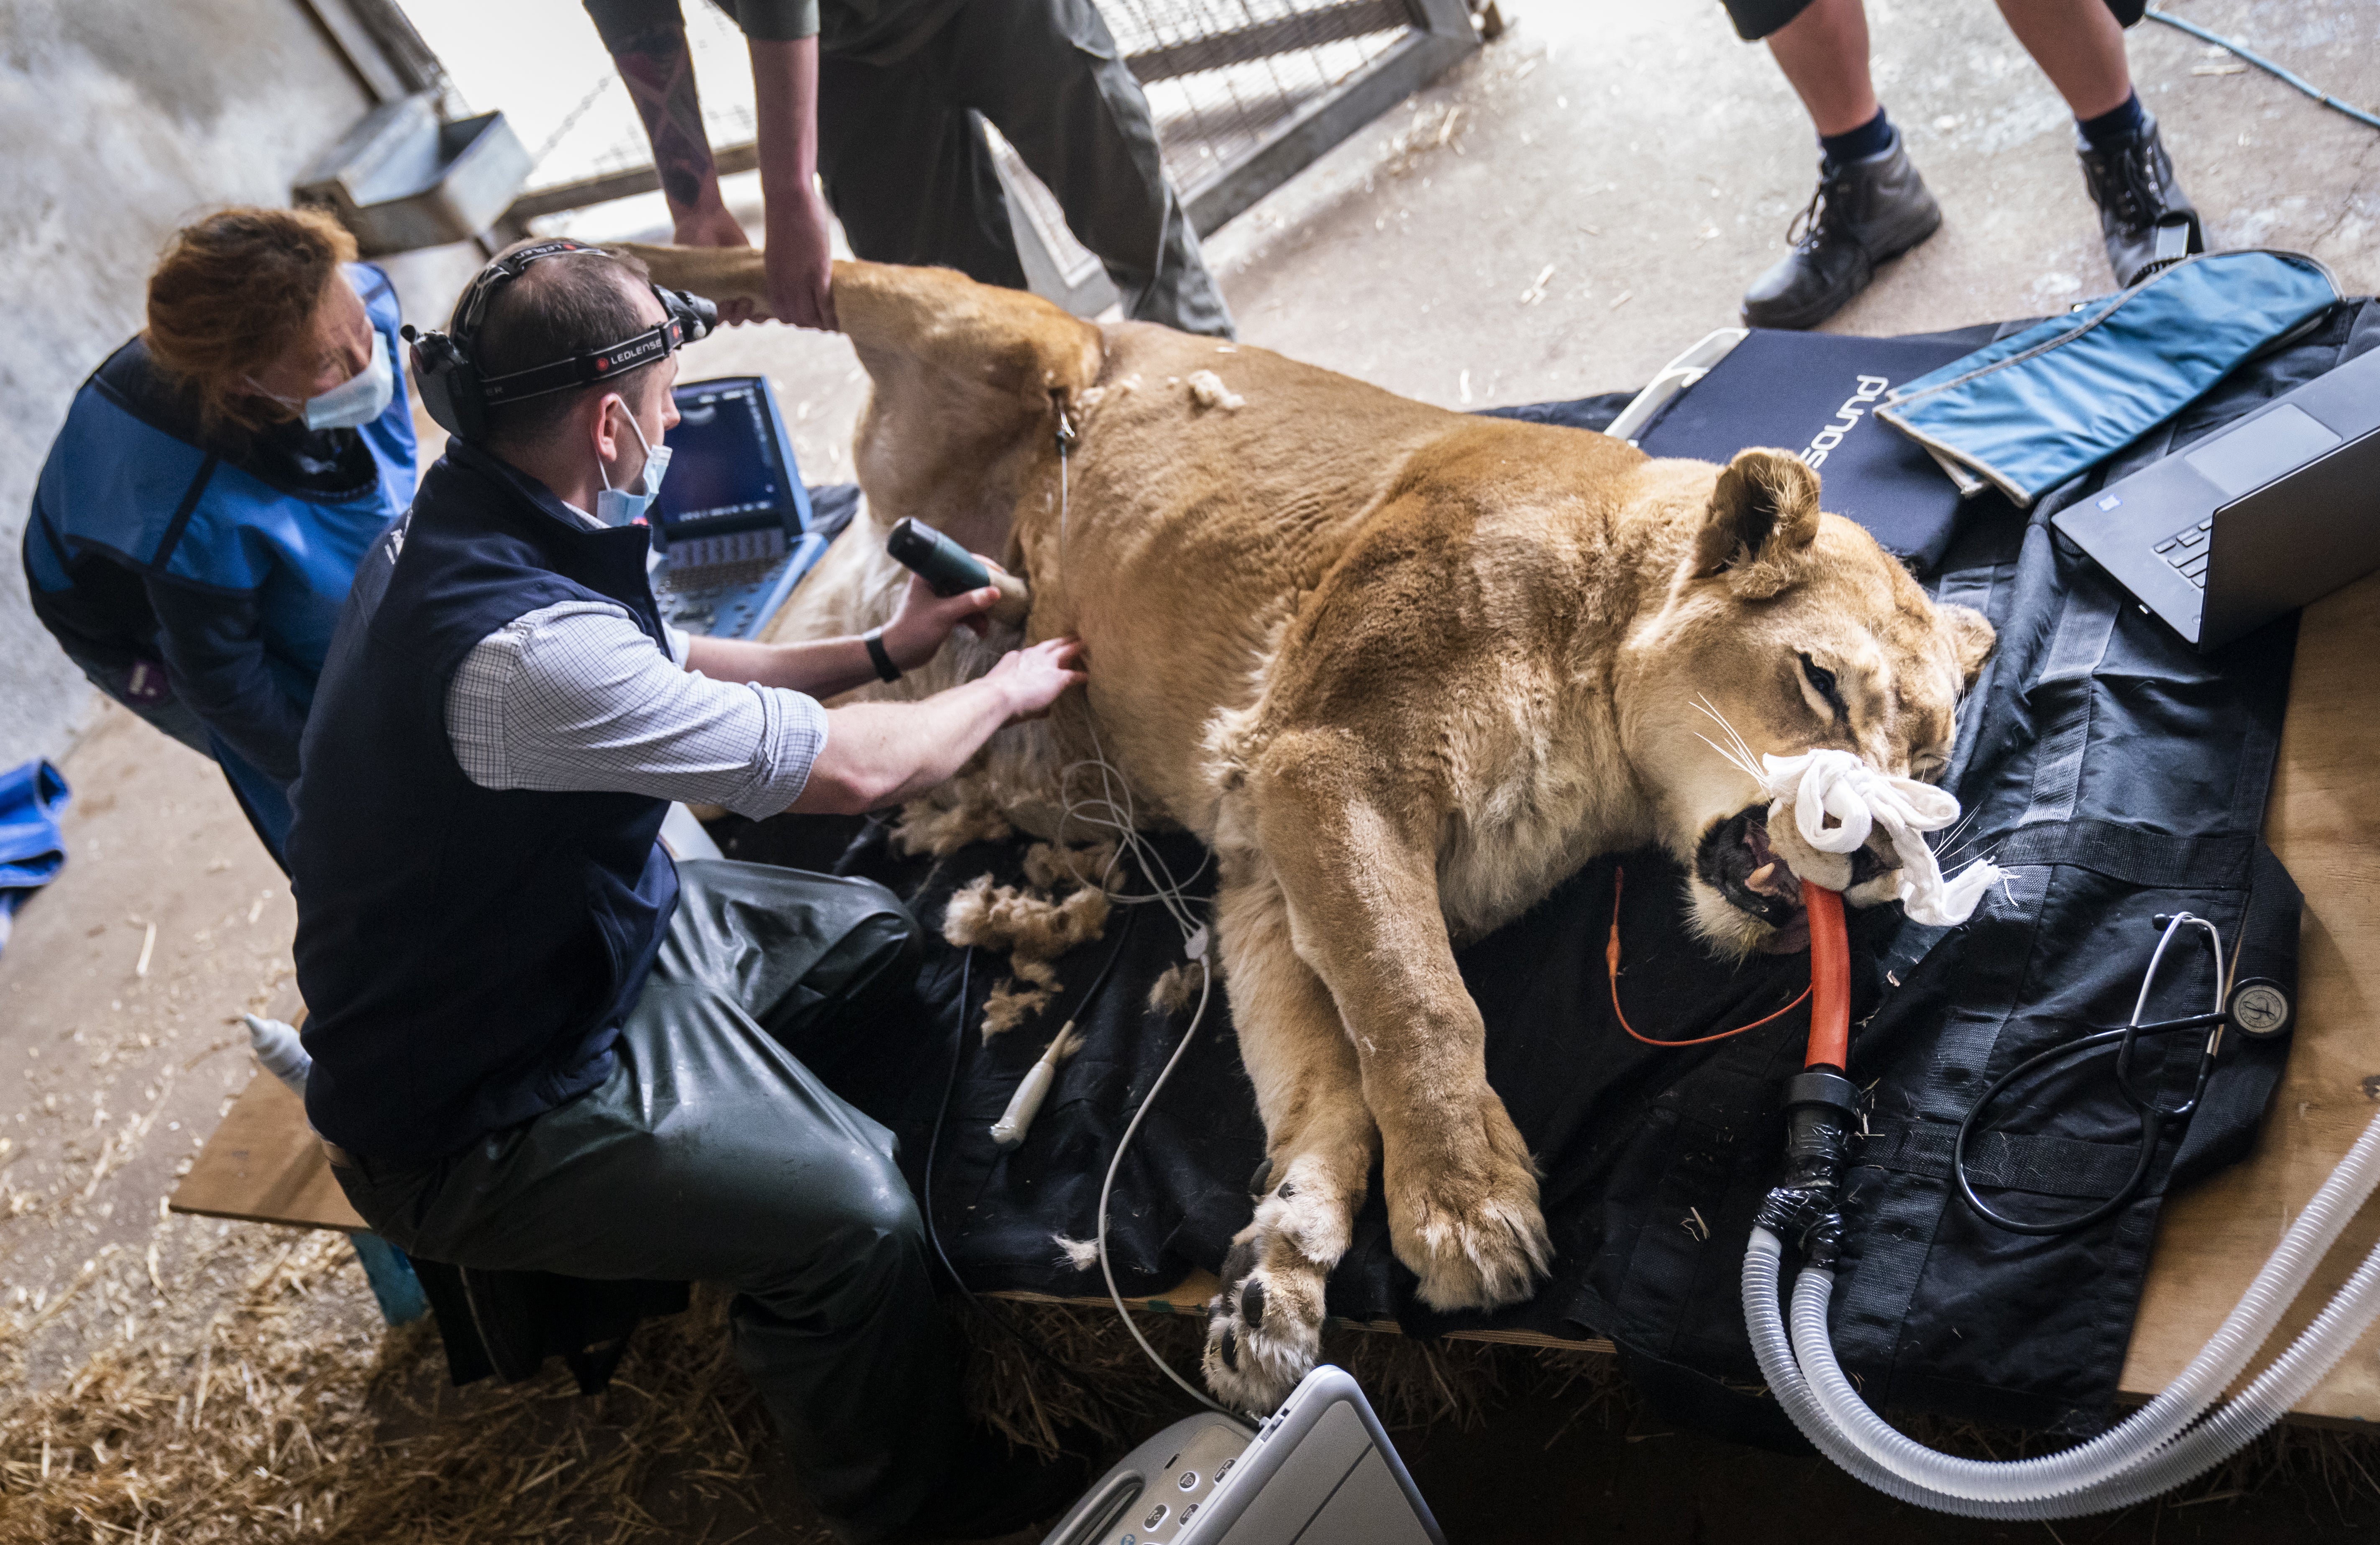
pixel 2145 218
pixel 1864 212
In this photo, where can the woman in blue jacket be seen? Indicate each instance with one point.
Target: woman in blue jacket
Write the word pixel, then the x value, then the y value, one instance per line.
pixel 202 514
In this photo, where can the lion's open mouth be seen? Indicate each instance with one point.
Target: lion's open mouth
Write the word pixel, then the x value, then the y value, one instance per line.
pixel 1736 860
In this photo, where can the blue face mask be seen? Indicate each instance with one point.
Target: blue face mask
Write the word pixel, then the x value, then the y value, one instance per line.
pixel 617 506
pixel 356 401
pixel 360 398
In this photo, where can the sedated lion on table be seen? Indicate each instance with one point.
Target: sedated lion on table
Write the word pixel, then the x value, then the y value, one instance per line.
pixel 1403 670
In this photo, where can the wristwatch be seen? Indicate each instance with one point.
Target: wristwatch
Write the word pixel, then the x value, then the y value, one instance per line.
pixel 880 656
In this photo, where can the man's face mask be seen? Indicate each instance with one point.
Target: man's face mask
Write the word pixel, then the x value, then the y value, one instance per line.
pixel 358 400
pixel 617 506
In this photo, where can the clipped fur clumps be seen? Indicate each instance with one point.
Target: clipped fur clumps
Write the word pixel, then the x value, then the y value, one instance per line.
pixel 1032 930
pixel 1048 864
pixel 1175 989
pixel 940 831
pixel 1207 389
pixel 1009 1006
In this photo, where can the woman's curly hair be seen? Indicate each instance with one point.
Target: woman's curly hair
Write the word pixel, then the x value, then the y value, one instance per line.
pixel 230 293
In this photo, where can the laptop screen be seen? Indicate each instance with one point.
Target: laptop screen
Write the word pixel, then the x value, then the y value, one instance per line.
pixel 730 468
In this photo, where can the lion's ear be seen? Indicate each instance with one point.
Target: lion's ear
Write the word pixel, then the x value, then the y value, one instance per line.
pixel 1763 517
pixel 1971 639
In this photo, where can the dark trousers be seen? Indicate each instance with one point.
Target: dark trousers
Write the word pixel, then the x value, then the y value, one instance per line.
pixel 910 174
pixel 712 1153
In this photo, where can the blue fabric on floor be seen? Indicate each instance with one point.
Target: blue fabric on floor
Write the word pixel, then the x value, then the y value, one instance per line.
pixel 33 849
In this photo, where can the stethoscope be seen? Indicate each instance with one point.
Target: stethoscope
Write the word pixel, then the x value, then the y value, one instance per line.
pixel 2258 1008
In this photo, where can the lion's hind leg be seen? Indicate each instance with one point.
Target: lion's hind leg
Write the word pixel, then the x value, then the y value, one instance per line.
pixel 1265 1327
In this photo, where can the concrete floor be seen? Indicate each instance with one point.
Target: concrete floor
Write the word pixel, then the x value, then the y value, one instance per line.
pixel 1555 218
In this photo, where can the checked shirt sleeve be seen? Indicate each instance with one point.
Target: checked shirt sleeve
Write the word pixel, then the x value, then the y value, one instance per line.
pixel 576 697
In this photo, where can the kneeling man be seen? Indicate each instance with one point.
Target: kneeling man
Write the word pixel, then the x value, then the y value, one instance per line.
pixel 538 1044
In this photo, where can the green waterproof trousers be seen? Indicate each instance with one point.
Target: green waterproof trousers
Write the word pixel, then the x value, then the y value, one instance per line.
pixel 712 1153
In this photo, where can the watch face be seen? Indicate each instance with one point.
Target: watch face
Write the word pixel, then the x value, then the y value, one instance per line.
pixel 2260 1007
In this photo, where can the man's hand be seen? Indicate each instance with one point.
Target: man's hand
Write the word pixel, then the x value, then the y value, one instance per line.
pixel 800 257
pixel 879 754
pixel 1034 678
pixel 923 624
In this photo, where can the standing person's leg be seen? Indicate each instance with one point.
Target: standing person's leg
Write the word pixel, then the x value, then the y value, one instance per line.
pixel 2144 214
pixel 1871 204
pixel 1050 75
pixel 711 1152
pixel 908 171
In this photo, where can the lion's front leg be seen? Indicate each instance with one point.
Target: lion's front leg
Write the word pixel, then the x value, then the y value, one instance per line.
pixel 1357 862
pixel 1265 1327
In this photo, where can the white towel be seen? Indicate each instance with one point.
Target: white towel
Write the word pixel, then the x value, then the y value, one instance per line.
pixel 1821 787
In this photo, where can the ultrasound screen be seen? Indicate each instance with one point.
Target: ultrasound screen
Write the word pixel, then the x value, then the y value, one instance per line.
pixel 725 465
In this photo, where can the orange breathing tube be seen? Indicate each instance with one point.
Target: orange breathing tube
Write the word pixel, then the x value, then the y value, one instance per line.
pixel 1829 992
pixel 1831 979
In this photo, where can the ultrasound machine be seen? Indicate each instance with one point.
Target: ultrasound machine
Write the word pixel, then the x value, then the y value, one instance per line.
pixel 732 526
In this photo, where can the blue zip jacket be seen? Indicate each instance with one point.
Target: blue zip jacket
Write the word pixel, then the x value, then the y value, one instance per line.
pixel 226 557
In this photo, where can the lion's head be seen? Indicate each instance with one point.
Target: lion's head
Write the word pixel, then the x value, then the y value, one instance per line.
pixel 1792 629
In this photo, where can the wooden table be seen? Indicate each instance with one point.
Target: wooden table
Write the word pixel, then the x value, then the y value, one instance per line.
pixel 2323 822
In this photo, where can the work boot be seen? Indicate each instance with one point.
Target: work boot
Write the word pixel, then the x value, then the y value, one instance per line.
pixel 1864 212
pixel 2147 220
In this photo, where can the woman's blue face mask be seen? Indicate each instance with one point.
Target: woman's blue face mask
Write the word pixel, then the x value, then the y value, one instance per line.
pixel 617 506
pixel 360 398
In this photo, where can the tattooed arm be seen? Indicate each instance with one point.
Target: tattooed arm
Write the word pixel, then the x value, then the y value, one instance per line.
pixel 648 42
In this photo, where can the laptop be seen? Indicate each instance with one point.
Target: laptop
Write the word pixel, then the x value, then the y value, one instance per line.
pixel 2279 508
pixel 731 524
pixel 1813 393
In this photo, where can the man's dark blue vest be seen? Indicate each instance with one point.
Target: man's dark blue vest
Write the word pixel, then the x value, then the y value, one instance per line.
pixel 466 954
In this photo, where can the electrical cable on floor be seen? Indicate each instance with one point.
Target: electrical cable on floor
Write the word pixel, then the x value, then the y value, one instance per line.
pixel 2267 65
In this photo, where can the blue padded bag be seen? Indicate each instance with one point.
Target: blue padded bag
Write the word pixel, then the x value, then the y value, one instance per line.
pixel 2036 408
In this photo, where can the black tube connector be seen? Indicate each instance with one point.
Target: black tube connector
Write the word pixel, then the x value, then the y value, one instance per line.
pixel 1821 1114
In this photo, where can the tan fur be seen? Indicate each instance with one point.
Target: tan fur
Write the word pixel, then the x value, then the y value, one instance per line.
pixel 1403 670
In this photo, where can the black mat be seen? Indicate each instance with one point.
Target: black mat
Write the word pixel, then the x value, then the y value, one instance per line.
pixel 2116 773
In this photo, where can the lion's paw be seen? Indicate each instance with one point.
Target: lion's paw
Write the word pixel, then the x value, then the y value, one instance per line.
pixel 1264 1330
pixel 1467 1222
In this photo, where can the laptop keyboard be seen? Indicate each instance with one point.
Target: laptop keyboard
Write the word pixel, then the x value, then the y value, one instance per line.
pixel 2185 550
pixel 718 577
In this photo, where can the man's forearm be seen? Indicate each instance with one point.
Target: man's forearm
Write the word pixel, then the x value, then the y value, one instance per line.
pixel 658 69
pixel 879 754
pixel 819 667
pixel 785 89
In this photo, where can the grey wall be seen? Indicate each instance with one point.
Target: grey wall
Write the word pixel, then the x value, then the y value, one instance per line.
pixel 122 119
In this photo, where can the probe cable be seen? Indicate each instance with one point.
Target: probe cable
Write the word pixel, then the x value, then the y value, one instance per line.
pixel 1612 960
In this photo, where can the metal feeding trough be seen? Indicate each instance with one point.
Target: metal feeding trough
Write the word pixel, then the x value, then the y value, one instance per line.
pixel 400 179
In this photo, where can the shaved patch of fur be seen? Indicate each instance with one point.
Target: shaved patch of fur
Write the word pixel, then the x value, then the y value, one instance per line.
pixel 1009 1005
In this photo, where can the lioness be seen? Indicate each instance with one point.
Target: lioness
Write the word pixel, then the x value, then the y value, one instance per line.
pixel 1403 670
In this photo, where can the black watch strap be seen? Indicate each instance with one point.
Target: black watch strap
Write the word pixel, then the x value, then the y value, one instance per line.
pixel 880 656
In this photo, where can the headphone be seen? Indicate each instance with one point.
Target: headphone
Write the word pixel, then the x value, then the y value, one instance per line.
pixel 458 397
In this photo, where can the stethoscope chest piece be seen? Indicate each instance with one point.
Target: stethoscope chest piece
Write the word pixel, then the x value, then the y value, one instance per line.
pixel 2260 1007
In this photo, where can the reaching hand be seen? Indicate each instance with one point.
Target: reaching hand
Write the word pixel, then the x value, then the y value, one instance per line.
pixel 917 630
pixel 1035 678
pixel 800 259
